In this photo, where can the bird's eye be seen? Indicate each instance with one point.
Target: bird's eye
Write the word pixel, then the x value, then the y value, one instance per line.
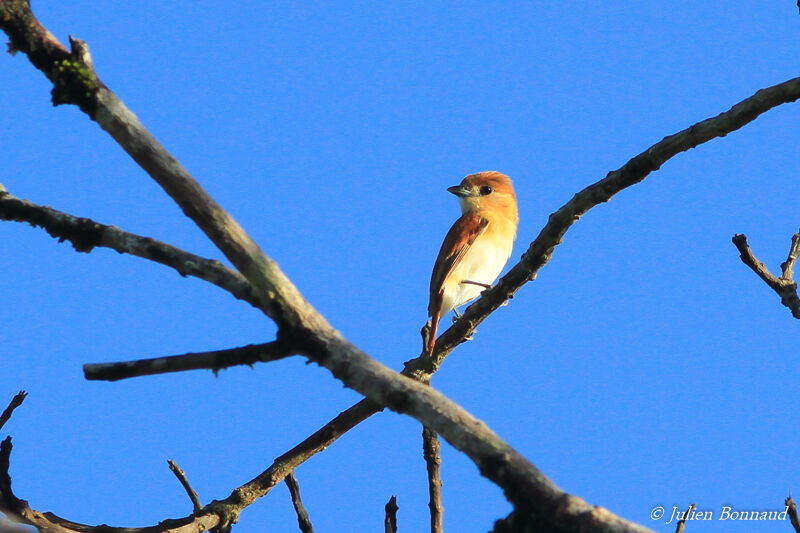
pixel 486 190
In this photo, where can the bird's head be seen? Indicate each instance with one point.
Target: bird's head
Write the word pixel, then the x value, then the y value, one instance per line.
pixel 488 194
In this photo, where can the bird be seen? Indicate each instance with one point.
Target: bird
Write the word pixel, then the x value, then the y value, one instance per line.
pixel 476 248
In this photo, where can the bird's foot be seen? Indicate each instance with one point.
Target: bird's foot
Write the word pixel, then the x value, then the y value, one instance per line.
pixel 456 317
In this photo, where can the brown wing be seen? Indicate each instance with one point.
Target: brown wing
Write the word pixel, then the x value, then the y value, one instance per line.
pixel 455 245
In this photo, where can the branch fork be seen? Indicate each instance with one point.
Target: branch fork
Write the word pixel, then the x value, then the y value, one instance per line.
pixel 784 285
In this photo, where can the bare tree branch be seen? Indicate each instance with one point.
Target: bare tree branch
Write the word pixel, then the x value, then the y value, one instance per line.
pixel 86 234
pixel 303 328
pixel 214 360
pixel 682 522
pixel 302 515
pixel 15 402
pixel 181 475
pixel 19 510
pixel 390 522
pixel 787 267
pixel 785 286
pixel 431 449
pixel 791 509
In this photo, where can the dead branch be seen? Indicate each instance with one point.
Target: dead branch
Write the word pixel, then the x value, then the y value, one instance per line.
pixel 431 449
pixel 791 510
pixel 303 520
pixel 20 510
pixel 214 360
pixel 184 481
pixel 390 522
pixel 86 234
pixel 15 402
pixel 682 521
pixel 785 285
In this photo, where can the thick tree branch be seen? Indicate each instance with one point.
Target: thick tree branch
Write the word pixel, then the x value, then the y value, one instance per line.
pixel 431 449
pixel 184 481
pixel 86 234
pixel 215 360
pixel 303 520
pixel 785 285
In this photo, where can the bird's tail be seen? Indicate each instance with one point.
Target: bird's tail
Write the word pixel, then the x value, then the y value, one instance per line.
pixel 434 329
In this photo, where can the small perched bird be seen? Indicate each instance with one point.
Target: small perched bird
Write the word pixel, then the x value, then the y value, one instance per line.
pixel 476 248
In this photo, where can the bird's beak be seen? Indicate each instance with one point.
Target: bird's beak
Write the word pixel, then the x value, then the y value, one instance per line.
pixel 460 191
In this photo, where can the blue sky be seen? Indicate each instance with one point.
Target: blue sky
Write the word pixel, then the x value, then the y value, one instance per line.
pixel 645 366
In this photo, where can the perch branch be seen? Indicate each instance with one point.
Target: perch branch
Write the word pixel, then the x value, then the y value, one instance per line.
pixel 181 475
pixel 634 171
pixel 785 285
pixel 431 449
pixel 303 520
pixel 215 360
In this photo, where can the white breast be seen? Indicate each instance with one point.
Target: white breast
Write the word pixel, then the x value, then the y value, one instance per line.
pixel 482 263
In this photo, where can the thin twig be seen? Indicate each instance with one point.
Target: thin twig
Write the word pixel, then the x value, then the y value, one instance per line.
pixel 181 475
pixel 682 521
pixel 787 267
pixel 214 360
pixel 390 522
pixel 784 286
pixel 303 521
pixel 431 449
pixel 15 402
pixel 791 510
